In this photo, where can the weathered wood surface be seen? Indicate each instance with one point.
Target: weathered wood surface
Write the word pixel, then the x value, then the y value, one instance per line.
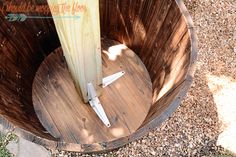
pixel 22 48
pixel 63 113
pixel 160 32
pixel 79 34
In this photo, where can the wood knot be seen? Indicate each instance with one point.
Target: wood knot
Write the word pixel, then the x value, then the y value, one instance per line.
pixel 84 119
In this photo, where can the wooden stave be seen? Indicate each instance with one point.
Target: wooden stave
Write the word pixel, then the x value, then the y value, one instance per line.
pixel 47 141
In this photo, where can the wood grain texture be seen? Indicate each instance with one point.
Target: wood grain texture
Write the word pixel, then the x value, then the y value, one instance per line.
pixel 63 113
pixel 160 32
pixel 22 48
pixel 79 34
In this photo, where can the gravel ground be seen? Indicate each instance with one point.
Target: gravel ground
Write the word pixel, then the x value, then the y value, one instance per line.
pixel 194 128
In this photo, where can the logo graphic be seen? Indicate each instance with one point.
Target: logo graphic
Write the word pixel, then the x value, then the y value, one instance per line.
pixel 23 17
pixel 23 10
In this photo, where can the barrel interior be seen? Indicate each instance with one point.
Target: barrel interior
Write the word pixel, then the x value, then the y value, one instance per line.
pixel 157 31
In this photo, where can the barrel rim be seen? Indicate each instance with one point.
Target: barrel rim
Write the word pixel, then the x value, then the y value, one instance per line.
pixel 6 126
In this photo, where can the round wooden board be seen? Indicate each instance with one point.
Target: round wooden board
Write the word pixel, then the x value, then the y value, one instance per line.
pixel 63 113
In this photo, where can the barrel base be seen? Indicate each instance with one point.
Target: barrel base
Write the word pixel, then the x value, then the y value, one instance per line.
pixel 64 115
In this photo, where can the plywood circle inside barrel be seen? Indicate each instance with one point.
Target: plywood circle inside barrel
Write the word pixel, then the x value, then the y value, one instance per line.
pixel 64 115
pixel 160 32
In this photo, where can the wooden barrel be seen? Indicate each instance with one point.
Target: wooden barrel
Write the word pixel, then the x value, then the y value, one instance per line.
pixel 160 32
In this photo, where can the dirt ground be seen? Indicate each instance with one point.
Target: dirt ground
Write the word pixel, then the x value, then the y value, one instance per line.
pixel 194 129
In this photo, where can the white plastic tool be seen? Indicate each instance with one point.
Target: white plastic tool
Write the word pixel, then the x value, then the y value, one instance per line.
pixel 95 102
